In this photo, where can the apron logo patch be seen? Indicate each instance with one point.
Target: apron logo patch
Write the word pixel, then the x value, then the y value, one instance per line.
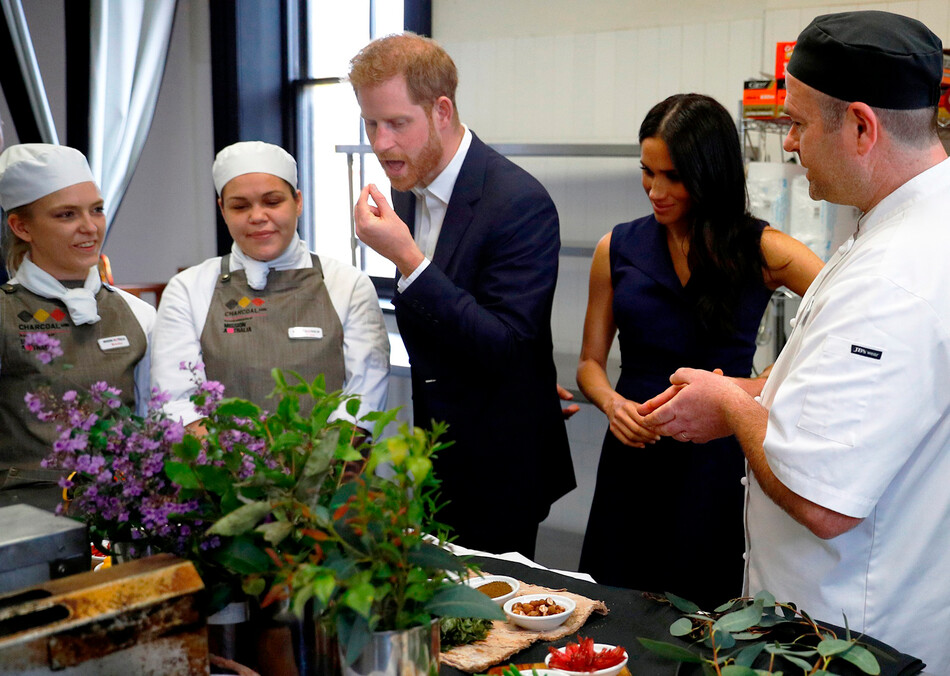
pixel 236 327
pixel 41 316
pixel 868 352
pixel 243 302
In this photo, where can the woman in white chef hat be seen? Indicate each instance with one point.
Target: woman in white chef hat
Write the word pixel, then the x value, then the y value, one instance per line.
pixel 56 220
pixel 270 302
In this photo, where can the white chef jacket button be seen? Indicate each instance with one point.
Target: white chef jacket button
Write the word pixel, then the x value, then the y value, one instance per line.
pixel 793 321
pixel 745 556
pixel 744 481
pixel 758 398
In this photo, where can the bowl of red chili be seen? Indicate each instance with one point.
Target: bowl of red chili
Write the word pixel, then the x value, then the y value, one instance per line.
pixel 586 658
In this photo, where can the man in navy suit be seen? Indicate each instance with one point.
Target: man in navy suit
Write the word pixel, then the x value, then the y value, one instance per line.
pixel 475 240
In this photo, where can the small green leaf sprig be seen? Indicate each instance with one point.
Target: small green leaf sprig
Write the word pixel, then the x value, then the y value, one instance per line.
pixel 727 630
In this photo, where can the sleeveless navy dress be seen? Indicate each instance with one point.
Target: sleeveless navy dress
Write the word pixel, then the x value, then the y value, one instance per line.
pixel 668 517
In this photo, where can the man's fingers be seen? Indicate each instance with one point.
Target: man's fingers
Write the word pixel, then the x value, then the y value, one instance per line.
pixel 651 405
pixel 682 376
pixel 379 198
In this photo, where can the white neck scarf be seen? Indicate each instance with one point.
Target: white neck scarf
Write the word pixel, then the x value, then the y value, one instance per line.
pixel 294 256
pixel 80 302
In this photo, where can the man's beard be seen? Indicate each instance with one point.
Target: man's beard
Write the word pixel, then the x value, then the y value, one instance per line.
pixel 419 167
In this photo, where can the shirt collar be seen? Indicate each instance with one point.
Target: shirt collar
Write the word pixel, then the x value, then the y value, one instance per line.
pixel 922 185
pixel 443 184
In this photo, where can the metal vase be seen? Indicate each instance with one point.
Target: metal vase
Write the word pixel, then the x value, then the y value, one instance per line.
pixel 404 652
pixel 123 552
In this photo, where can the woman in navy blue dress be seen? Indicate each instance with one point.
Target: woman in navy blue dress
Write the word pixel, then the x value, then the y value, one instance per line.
pixel 685 286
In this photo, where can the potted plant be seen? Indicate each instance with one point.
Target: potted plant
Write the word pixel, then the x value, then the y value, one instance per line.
pixel 286 506
pixel 364 563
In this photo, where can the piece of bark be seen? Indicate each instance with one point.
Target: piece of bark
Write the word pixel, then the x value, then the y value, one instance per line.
pixel 506 639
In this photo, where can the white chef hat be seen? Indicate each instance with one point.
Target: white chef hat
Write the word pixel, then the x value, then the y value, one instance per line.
pixel 29 171
pixel 251 157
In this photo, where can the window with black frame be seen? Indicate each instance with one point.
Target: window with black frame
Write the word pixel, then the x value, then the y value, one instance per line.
pixel 327 116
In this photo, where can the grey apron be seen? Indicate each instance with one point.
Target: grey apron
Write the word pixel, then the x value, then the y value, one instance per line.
pixel 291 324
pixel 24 440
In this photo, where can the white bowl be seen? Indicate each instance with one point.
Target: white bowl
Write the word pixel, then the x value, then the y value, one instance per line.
pixel 609 671
pixel 542 623
pixel 477 582
pixel 542 672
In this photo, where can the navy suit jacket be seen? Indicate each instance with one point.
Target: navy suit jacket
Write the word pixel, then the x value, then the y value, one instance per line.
pixel 477 327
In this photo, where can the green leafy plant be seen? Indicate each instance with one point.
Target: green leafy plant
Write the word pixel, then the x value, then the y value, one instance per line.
pixel 738 633
pixel 377 569
pixel 259 477
pixel 309 514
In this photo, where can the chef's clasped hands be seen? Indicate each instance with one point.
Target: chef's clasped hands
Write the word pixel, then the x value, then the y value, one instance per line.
pixel 683 410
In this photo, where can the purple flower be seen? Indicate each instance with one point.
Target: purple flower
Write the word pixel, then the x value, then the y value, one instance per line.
pixel 44 346
pixel 211 543
pixel 33 402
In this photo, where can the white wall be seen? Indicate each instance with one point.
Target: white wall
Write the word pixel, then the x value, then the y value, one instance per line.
pixel 167 218
pixel 588 71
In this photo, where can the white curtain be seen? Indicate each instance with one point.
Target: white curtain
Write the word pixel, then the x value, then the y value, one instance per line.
pixel 26 57
pixel 128 49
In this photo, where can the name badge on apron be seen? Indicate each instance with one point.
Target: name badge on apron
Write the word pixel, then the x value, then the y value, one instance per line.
pixel 305 332
pixel 113 343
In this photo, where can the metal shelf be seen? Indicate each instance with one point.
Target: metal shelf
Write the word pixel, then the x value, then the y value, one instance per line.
pixel 580 249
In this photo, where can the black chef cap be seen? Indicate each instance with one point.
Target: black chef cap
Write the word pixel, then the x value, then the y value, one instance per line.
pixel 884 60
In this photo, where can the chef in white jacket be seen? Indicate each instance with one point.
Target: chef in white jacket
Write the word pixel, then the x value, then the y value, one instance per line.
pixel 270 302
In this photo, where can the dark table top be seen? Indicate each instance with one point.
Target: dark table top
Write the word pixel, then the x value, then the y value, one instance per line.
pixel 633 615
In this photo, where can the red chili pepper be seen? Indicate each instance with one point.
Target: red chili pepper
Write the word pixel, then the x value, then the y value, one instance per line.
pixel 582 656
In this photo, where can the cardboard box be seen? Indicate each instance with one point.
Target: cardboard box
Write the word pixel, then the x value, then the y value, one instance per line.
pixel 760 99
pixel 783 52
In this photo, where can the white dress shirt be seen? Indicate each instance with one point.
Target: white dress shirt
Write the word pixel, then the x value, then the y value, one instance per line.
pixel 431 204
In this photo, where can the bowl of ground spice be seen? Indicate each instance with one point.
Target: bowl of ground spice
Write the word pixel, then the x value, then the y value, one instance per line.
pixel 499 588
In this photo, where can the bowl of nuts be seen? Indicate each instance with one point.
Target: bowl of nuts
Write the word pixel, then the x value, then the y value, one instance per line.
pixel 539 612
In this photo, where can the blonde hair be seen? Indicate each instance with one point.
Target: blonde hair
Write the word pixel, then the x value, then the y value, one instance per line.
pixel 14 248
pixel 429 71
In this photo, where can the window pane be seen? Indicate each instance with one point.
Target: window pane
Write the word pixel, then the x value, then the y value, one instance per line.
pixel 389 17
pixel 329 117
pixel 335 31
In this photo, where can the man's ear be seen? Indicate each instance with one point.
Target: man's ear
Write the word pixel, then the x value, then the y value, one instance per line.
pixel 443 112
pixel 864 125
pixel 20 227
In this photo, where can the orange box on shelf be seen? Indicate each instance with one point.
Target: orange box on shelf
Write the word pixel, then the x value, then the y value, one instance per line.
pixel 760 99
pixel 943 111
pixel 783 51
